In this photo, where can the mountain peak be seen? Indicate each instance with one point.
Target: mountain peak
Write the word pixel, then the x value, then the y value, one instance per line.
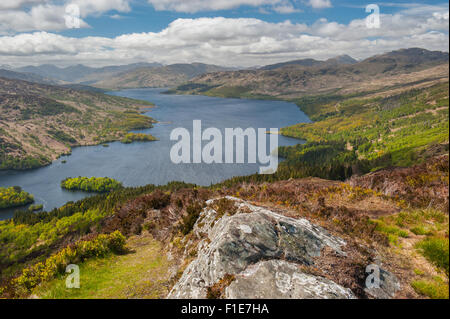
pixel 342 59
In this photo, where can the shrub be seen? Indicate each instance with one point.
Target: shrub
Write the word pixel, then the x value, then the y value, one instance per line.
pixel 57 263
pixel 193 212
pixel 224 206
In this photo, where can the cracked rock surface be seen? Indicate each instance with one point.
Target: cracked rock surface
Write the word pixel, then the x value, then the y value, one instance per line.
pixel 264 250
pixel 278 279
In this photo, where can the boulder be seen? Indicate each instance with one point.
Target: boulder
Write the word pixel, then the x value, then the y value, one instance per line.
pixel 250 235
pixel 278 279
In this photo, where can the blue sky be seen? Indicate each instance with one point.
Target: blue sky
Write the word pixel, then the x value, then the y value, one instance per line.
pixel 227 32
pixel 144 18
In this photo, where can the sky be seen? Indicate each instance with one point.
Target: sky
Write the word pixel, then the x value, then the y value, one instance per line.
pixel 234 33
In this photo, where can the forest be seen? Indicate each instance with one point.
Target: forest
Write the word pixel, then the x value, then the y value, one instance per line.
pixel 379 132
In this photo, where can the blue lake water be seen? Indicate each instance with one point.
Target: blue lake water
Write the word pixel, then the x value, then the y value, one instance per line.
pixel 143 163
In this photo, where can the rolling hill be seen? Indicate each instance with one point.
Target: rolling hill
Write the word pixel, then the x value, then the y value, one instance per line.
pixel 30 77
pixel 342 59
pixel 80 73
pixel 164 76
pixel 310 77
pixel 38 123
pixel 337 203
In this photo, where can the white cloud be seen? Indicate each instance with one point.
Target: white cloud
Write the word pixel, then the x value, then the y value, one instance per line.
pixel 16 4
pixel 235 42
pixel 320 4
pixel 192 6
pixel 286 9
pixel 116 17
pixel 88 7
pixel 48 15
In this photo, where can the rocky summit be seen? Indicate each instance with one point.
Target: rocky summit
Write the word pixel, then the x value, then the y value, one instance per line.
pixel 261 254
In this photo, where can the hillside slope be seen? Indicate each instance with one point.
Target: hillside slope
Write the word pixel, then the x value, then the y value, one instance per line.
pixel 164 76
pixel 368 132
pixel 394 69
pixel 30 77
pixel 80 73
pixel 319 234
pixel 38 123
pixel 343 59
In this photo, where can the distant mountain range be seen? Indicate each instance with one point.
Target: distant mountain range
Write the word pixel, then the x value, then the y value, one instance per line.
pixel 80 73
pixel 342 74
pixel 30 77
pixel 163 76
pixel 291 78
pixel 342 59
pixel 111 77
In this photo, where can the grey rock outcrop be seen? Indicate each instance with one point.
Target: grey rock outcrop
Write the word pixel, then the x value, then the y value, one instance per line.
pixel 250 244
pixel 278 279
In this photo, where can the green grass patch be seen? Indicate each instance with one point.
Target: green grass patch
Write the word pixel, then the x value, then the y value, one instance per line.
pixel 421 230
pixel 435 289
pixel 142 273
pixel 390 230
pixel 436 250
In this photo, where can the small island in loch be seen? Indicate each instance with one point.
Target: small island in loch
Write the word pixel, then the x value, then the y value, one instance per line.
pixel 14 197
pixel 138 137
pixel 93 184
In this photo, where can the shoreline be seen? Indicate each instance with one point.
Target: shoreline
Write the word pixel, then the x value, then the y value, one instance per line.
pixel 67 154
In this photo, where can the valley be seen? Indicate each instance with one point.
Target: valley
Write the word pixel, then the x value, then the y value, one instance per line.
pixel 363 183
